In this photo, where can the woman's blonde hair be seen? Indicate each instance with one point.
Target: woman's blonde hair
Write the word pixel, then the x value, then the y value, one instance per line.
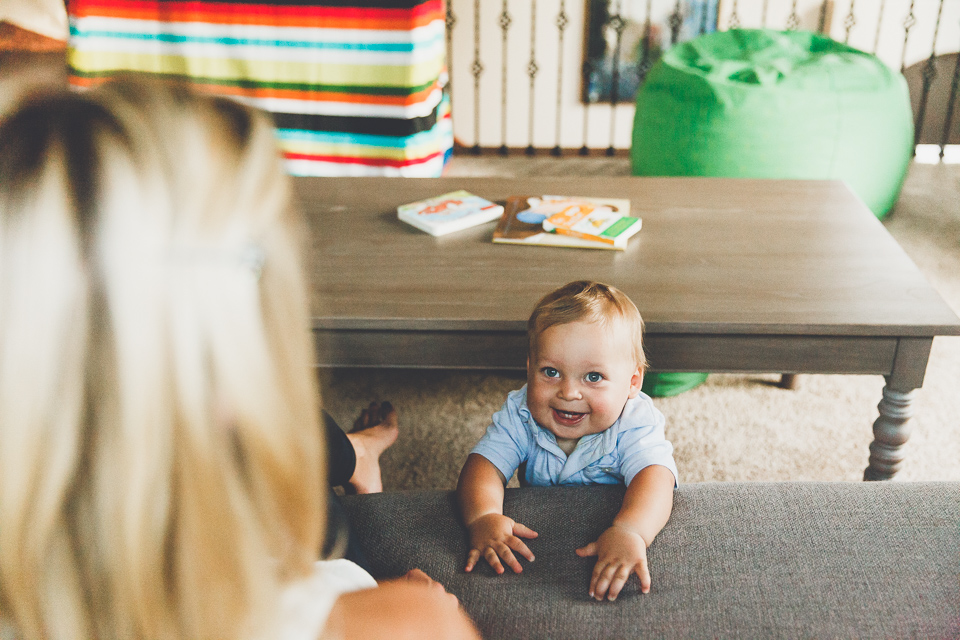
pixel 588 301
pixel 161 463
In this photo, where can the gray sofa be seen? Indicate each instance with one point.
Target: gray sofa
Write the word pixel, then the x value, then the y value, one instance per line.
pixel 736 560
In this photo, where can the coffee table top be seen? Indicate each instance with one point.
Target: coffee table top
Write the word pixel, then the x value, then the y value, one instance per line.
pixel 715 256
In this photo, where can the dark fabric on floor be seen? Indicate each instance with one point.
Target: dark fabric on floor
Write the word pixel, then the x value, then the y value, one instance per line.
pixel 736 560
pixel 341 463
pixel 341 456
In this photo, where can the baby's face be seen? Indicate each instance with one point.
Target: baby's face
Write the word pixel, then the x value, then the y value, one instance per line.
pixel 579 377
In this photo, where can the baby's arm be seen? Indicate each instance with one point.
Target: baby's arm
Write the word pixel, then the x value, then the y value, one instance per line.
pixel 492 534
pixel 622 549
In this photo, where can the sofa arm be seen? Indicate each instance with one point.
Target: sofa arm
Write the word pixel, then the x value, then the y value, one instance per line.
pixel 736 560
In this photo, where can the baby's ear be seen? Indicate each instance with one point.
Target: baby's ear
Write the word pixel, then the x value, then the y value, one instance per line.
pixel 636 382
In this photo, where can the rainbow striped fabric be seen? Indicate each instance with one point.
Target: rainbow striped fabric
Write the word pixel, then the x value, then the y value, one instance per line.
pixel 356 87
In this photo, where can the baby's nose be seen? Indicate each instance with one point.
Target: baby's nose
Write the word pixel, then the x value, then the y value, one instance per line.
pixel 570 390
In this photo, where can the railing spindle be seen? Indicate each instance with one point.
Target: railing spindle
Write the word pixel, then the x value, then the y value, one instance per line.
pixel 945 137
pixel 763 15
pixel 476 68
pixel 908 23
pixel 675 21
pixel 876 37
pixel 645 59
pixel 849 22
pixel 705 10
pixel 585 72
pixel 734 22
pixel 822 23
pixel 448 21
pixel 532 69
pixel 929 74
pixel 562 22
pixel 618 24
pixel 505 21
pixel 793 21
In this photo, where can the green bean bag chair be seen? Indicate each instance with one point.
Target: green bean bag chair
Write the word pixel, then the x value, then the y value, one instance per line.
pixel 668 383
pixel 758 103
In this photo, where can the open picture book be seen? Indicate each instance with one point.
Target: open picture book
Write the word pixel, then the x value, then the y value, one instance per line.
pixel 567 221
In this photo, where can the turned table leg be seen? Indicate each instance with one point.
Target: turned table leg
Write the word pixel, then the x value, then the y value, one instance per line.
pixel 890 432
pixel 789 381
pixel 892 428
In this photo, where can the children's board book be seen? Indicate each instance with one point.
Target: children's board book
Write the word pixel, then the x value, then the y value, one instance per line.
pixel 450 212
pixel 589 219
pixel 524 221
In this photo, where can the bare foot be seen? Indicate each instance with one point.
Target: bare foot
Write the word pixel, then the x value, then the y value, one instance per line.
pixel 373 432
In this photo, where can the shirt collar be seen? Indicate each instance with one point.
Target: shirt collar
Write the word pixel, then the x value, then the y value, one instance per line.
pixel 600 444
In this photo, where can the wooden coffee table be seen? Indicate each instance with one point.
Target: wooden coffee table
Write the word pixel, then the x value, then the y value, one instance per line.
pixel 730 276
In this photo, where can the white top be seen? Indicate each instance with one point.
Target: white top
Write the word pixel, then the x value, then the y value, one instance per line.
pixel 306 604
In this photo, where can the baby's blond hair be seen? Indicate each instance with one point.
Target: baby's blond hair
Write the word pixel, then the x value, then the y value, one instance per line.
pixel 161 464
pixel 588 301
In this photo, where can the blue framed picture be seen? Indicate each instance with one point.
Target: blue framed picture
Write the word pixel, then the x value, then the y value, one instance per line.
pixel 625 37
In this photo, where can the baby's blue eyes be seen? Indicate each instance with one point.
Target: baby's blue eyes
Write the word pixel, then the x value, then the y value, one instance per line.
pixel 593 376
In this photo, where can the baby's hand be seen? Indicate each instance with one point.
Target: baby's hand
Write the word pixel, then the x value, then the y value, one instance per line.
pixel 495 536
pixel 619 552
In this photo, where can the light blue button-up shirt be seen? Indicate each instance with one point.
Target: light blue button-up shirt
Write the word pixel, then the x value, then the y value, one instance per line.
pixel 635 441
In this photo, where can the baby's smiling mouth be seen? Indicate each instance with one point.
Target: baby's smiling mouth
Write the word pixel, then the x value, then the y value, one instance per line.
pixel 567 418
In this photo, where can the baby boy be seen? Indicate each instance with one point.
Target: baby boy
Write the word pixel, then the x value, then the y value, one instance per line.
pixel 580 419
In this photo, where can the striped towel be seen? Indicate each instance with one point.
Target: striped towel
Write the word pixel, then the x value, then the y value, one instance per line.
pixel 355 87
